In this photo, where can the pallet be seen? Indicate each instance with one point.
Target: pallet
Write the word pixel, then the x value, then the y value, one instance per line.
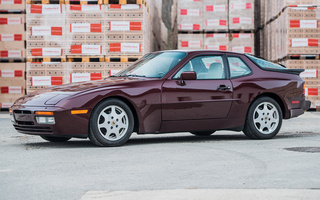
pixel 2 11
pixel 47 59
pixel 303 57
pixel 190 32
pixel 122 59
pixel 85 59
pixel 45 1
pixel 78 2
pixel 12 60
pixel 123 1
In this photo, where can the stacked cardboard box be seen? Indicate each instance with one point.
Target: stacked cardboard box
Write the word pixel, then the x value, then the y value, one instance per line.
pixel 12 51
pixel 46 46
pixel 216 24
pixel 82 40
pixel 291 35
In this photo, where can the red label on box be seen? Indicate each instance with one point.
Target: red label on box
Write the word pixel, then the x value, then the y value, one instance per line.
pixel 10 1
pixel 86 49
pixel 125 47
pixel 10 37
pixel 88 7
pixel 312 91
pixel 85 28
pixel 11 73
pixel 5 105
pixel 46 80
pixel 12 90
pixel 11 54
pixel 46 9
pixel 78 77
pixel 46 52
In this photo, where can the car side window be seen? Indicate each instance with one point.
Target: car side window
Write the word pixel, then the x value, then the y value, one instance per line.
pixel 206 68
pixel 238 68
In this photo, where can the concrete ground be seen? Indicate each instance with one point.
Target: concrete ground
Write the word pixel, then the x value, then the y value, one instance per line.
pixel 225 165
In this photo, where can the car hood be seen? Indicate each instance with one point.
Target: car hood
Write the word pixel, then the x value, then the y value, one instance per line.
pixel 51 96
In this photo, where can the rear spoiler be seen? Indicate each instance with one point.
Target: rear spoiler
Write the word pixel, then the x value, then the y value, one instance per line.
pixel 288 71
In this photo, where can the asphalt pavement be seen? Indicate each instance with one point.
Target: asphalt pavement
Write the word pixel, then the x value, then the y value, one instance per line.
pixel 225 165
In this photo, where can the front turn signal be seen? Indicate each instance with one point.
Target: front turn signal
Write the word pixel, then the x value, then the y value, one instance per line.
pixel 76 112
pixel 43 113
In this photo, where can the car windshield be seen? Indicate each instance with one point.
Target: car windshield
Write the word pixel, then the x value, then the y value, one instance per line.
pixel 153 65
pixel 264 64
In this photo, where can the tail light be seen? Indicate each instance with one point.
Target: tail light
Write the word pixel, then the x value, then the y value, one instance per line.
pixel 304 89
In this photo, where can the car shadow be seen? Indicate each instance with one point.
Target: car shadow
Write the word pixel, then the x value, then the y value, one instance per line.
pixel 157 139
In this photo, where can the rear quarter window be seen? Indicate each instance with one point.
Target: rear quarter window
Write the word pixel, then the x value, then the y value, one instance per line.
pixel 265 64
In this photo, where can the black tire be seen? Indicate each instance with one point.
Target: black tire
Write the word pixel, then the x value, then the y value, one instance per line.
pixel 55 139
pixel 106 127
pixel 202 133
pixel 264 119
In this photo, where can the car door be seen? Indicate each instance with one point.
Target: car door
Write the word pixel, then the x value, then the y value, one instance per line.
pixel 209 96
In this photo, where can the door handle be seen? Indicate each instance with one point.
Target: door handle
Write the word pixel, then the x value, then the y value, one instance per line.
pixel 223 88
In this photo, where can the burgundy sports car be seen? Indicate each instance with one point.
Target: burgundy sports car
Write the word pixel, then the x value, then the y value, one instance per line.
pixel 168 91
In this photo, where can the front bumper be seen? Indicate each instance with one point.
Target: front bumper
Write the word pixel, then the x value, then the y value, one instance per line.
pixel 66 124
pixel 296 112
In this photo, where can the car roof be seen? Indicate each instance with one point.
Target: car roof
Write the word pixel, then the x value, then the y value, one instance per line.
pixel 204 51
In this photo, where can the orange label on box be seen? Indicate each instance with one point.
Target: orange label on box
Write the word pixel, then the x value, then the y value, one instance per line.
pixel 192 44
pixel 46 80
pixel 304 42
pixel 46 30
pixel 11 73
pixel 124 26
pixel 241 6
pixel 187 26
pixel 88 7
pixel 11 21
pixel 86 49
pixel 46 9
pixel 12 90
pixel 216 22
pixel 216 8
pixel 85 28
pixel 46 52
pixel 79 77
pixel 241 49
pixel 217 47
pixel 125 47
pixel 10 37
pixel 242 20
pixel 303 23
pixel 5 105
pixel 190 12
pixel 10 2
pixel 11 54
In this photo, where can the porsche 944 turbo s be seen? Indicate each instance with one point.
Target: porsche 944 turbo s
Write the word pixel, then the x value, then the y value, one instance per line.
pixel 169 91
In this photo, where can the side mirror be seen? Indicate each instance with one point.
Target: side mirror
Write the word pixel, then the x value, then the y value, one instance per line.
pixel 190 75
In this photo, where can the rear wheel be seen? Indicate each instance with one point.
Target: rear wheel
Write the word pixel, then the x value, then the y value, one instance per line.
pixel 55 139
pixel 202 133
pixel 111 123
pixel 264 119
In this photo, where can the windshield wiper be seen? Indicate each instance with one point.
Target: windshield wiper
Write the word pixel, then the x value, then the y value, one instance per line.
pixel 135 75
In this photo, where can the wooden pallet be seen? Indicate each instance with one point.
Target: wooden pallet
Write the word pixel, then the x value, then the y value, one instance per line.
pixel 123 1
pixel 85 58
pixel 12 60
pixel 122 58
pixel 83 2
pixel 47 59
pixel 45 1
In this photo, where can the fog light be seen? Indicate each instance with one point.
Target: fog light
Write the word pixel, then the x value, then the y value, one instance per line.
pixel 45 120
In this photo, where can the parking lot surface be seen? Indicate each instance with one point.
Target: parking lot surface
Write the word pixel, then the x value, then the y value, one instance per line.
pixel 171 166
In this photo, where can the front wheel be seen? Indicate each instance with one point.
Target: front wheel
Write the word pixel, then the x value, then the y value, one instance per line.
pixel 111 123
pixel 264 119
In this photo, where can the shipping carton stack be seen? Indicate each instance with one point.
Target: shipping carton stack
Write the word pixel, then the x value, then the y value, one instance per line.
pixel 85 46
pixel 292 36
pixel 12 51
pixel 126 35
pixel 190 24
pixel 46 49
pixel 226 25
pixel 241 25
